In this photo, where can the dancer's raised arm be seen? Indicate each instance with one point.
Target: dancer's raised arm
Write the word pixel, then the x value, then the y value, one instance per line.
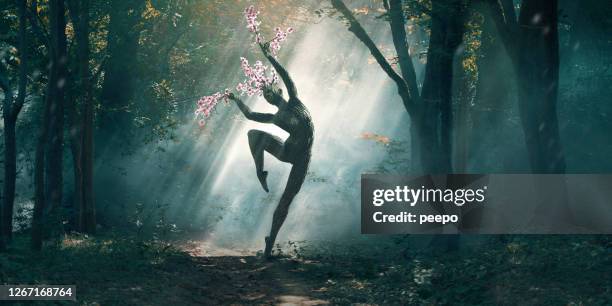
pixel 291 90
pixel 259 117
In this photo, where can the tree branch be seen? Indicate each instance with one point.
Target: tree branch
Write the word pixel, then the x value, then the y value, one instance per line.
pixel 96 75
pixel 356 28
pixel 8 92
pixel 398 31
pixel 4 82
pixel 35 21
pixel 506 25
pixel 23 60
pixel 509 13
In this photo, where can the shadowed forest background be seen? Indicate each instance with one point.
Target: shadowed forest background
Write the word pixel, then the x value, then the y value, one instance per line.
pixel 109 183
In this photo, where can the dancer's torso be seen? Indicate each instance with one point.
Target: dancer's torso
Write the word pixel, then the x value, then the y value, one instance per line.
pixel 295 119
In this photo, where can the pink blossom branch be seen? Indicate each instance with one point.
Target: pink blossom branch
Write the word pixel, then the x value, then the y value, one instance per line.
pixel 258 76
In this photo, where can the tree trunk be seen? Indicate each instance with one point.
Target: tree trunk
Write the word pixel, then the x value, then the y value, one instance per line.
pixel 10 176
pixel 2 241
pixel 398 32
pixel 119 72
pixel 38 222
pixel 74 120
pixel 83 138
pixel 464 97
pixel 11 112
pixel 87 219
pixel 538 79
pixel 447 18
pixel 49 152
pixel 533 47
pixel 57 82
pixel 493 88
pixel 39 162
pixel 446 36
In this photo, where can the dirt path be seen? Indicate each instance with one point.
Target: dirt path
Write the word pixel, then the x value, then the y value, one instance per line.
pixel 238 279
pixel 249 280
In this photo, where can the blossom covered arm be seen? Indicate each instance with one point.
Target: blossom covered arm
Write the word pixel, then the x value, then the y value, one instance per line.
pixel 257 75
pixel 291 90
pixel 259 117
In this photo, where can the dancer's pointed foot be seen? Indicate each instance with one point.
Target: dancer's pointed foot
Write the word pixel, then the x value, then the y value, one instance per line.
pixel 263 179
pixel 268 250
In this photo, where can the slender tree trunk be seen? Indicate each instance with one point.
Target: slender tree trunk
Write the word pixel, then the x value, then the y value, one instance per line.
pixel 2 239
pixel 436 79
pixel 538 71
pixel 39 183
pixel 10 176
pixel 88 215
pixel 493 87
pixel 76 150
pixel 11 112
pixel 57 83
pixel 446 36
pixel 454 28
pixel 39 161
pixel 538 79
pixel 83 140
pixel 463 123
pixel 400 42
pixel 533 47
pixel 49 152
pixel 74 120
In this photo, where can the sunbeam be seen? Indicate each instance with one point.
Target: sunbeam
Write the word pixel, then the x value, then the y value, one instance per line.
pixel 346 96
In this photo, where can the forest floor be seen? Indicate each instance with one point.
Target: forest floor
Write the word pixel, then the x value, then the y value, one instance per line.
pixel 117 270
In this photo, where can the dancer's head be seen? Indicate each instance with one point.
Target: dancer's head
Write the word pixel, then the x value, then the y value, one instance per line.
pixel 273 95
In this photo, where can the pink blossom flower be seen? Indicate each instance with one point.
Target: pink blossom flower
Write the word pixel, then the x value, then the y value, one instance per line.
pixel 279 37
pixel 257 77
pixel 250 14
pixel 206 105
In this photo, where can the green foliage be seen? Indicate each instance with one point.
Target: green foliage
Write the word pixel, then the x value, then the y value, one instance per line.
pixel 150 222
pixel 532 270
pixel 115 261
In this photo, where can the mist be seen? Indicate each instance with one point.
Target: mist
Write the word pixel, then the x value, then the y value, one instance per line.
pixel 348 96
